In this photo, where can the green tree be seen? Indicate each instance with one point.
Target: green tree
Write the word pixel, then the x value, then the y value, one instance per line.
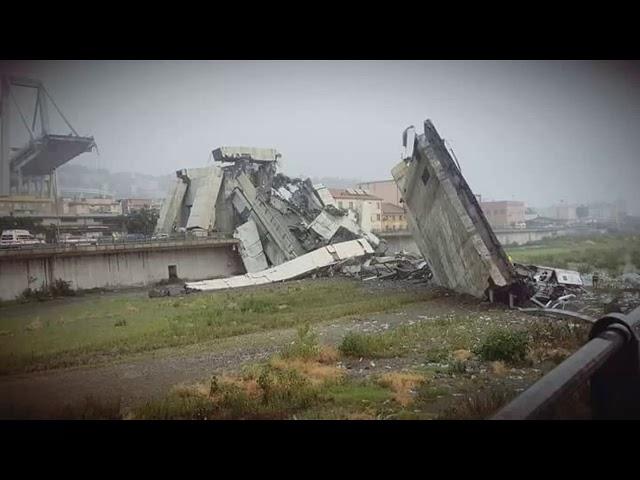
pixel 142 221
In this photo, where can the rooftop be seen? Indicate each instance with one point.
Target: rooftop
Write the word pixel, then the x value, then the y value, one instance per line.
pixel 355 193
pixel 390 208
pixel 511 203
pixel 378 181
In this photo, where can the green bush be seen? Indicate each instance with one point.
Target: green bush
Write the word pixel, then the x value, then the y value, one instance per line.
pixel 60 288
pixel 285 390
pixel 458 366
pixel 305 346
pixel 437 355
pixel 360 345
pixel 505 345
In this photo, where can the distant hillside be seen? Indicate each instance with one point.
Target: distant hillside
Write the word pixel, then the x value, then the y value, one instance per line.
pixel 120 184
pixel 336 182
pixel 138 185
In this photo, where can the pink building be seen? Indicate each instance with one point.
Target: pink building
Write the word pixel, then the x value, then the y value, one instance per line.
pixel 387 190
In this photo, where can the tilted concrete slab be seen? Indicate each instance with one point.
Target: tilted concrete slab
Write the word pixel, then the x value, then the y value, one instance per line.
pixel 447 222
pixel 251 250
pixel 298 267
pixel 206 188
pixel 325 194
pixel 171 208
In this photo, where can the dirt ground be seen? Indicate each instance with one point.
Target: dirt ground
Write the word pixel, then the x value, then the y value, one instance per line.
pixel 141 377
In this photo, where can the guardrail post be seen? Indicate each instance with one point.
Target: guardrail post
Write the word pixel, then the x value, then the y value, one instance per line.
pixel 615 388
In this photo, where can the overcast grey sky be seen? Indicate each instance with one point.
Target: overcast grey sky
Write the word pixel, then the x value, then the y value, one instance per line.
pixel 534 131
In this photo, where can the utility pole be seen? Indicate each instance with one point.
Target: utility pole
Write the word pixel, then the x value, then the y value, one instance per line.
pixel 5 179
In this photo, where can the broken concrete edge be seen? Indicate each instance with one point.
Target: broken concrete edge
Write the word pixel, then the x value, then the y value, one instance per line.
pixel 298 267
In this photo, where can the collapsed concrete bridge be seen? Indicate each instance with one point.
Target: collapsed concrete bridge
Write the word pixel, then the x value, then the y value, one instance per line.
pixel 276 219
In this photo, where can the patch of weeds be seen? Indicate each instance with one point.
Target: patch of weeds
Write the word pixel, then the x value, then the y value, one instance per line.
pixel 257 305
pixel 441 322
pixel 59 288
pixel 92 408
pixel 458 366
pixel 356 393
pixel 372 346
pixel 554 341
pixel 35 325
pixel 437 355
pixel 285 389
pixel 559 334
pixel 402 384
pixel 506 345
pixel 177 407
pixel 120 323
pixel 428 393
pixel 478 406
pixel 305 346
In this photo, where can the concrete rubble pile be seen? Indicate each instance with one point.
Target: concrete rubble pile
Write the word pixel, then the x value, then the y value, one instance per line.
pixel 552 287
pixel 276 219
pixel 400 266
pixel 455 238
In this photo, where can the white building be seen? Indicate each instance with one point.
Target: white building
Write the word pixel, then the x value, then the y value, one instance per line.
pixel 367 207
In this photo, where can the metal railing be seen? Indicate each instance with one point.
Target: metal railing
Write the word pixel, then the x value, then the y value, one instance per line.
pixel 609 364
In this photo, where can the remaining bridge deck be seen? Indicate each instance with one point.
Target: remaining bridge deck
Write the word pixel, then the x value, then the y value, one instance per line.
pixel 49 152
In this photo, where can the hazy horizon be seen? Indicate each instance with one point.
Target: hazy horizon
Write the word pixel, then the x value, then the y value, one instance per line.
pixel 537 131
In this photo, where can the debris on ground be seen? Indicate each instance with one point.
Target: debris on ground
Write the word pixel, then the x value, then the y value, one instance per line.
pixel 400 266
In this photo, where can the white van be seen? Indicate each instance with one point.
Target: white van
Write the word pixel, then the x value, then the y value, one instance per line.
pixel 17 238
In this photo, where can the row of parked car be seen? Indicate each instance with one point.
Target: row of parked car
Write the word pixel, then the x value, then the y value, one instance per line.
pixel 24 238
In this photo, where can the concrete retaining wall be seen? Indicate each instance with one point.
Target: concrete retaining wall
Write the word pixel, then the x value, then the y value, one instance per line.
pixel 116 269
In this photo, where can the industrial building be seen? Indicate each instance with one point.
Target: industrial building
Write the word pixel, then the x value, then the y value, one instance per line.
pixel 504 213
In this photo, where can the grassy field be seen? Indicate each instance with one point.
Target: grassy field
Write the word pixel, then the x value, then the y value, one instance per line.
pixel 604 253
pixel 308 380
pixel 94 328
